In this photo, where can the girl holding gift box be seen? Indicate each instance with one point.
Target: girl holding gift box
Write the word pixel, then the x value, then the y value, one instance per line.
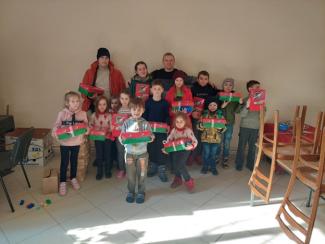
pixel 140 82
pixel 181 130
pixel 211 135
pixel 69 148
pixel 136 155
pixel 100 132
pixel 229 109
pixel 126 111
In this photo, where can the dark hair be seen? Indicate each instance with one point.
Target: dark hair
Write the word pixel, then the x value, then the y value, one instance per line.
pixel 185 117
pixel 251 83
pixel 97 102
pixel 138 63
pixel 168 54
pixel 68 95
pixel 126 91
pixel 203 72
pixel 137 103
pixel 157 83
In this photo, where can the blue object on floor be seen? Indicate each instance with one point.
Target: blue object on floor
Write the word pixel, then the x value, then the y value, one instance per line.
pixel 21 202
pixel 283 127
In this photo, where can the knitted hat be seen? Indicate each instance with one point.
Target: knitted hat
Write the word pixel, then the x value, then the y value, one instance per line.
pixel 103 52
pixel 230 80
pixel 211 100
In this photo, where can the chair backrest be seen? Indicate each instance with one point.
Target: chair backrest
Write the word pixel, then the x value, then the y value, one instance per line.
pixel 298 127
pixel 299 113
pixel 20 150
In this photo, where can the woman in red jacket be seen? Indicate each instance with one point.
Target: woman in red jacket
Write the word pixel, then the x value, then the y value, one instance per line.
pixel 103 74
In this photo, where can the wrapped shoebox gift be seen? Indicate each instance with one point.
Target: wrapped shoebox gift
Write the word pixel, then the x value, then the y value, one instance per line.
pixel 198 104
pixel 136 137
pixel 142 91
pixel 182 106
pixel 218 123
pixel 50 181
pixel 257 99
pixel 41 146
pixel 158 127
pixel 117 122
pixel 177 145
pixel 64 133
pixel 97 135
pixel 229 96
pixel 89 90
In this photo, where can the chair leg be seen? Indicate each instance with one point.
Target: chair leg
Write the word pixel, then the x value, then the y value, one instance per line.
pixel 26 177
pixel 309 198
pixel 7 194
pixel 313 215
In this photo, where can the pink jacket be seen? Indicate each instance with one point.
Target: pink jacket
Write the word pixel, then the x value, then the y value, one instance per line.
pixel 65 119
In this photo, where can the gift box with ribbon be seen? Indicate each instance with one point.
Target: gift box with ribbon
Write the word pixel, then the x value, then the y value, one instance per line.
pixel 177 145
pixel 218 123
pixel 182 106
pixel 89 90
pixel 117 122
pixel 97 135
pixel 142 90
pixel 229 96
pixel 158 127
pixel 198 104
pixel 71 131
pixel 136 137
pixel 257 99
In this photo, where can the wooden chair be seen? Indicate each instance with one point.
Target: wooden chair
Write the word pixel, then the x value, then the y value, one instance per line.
pixel 300 112
pixel 310 176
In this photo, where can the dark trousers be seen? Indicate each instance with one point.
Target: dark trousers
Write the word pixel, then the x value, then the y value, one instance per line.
pixel 68 154
pixel 154 149
pixel 246 136
pixel 179 163
pixel 103 154
pixel 120 155
pixel 198 150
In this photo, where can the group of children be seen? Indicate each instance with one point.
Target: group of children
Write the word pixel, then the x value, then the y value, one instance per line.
pixel 143 107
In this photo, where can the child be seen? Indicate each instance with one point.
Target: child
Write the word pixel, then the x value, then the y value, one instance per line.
pixel 140 82
pixel 248 132
pixel 114 105
pixel 181 130
pixel 200 89
pixel 156 110
pixel 101 120
pixel 124 109
pixel 229 109
pixel 210 137
pixel 136 155
pixel 69 148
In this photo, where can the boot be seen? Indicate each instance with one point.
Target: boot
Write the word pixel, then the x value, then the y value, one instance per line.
pixel 190 185
pixel 176 182
pixel 162 173
pixel 100 172
pixel 153 168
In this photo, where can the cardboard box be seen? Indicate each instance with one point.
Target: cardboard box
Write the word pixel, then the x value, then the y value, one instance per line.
pixel 50 181
pixel 41 146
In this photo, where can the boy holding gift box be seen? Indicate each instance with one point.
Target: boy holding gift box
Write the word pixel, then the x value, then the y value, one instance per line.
pixel 136 156
pixel 156 112
pixel 201 90
pixel 71 115
pixel 248 132
pixel 212 125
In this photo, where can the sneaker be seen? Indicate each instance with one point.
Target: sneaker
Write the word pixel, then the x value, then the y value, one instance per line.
pixel 176 182
pixel 99 176
pixel 162 173
pixel 75 184
pixel 63 189
pixel 140 198
pixel 120 174
pixel 130 197
pixel 204 170
pixel 214 171
pixel 190 185
pixel 239 168
pixel 225 165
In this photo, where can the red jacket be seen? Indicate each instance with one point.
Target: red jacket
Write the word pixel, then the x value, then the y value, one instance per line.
pixel 170 96
pixel 116 81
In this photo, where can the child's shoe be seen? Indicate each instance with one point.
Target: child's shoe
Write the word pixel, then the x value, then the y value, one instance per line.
pixel 204 170
pixel 120 174
pixel 140 198
pixel 162 173
pixel 75 184
pixel 190 185
pixel 152 171
pixel 130 197
pixel 214 171
pixel 225 164
pixel 176 182
pixel 63 189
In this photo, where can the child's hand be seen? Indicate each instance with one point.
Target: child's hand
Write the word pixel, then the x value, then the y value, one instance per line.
pixel 241 101
pixel 87 132
pixel 224 104
pixel 196 114
pixel 163 151
pixel 248 103
pixel 152 139
pixel 189 147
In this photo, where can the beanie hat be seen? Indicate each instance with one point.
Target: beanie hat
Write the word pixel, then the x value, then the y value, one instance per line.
pixel 211 100
pixel 179 74
pixel 103 52
pixel 230 80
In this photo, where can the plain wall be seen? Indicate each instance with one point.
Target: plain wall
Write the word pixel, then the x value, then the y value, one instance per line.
pixel 46 46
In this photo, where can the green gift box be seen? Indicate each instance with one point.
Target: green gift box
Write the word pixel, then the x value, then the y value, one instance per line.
pixel 89 90
pixel 158 127
pixel 229 96
pixel 136 137
pixel 97 135
pixel 71 131
pixel 177 145
pixel 218 123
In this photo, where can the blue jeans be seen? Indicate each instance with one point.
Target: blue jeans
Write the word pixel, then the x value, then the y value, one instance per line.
pixel 209 154
pixel 226 139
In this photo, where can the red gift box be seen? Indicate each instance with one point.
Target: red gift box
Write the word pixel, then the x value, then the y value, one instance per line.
pixel 218 123
pixel 229 96
pixel 256 99
pixel 117 122
pixel 89 90
pixel 64 133
pixel 97 135
pixel 136 137
pixel 198 103
pixel 182 106
pixel 142 90
pixel 177 145
pixel 158 127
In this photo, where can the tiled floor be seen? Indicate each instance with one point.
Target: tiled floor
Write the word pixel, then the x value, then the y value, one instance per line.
pixel 218 211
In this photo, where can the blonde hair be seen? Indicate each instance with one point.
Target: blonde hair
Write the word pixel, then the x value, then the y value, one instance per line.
pixel 69 95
